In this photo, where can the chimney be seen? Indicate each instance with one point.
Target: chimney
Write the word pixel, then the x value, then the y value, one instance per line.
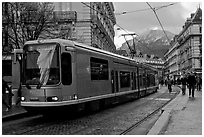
pixel 192 14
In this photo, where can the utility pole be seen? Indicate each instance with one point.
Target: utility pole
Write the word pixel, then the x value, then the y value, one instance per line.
pixel 132 51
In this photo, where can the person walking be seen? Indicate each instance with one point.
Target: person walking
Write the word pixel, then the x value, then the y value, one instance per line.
pixel 183 81
pixel 5 94
pixel 191 83
pixel 198 83
pixel 169 83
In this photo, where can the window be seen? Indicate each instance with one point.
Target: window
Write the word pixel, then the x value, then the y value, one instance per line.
pixel 99 69
pixel 41 65
pixel 124 79
pixel 66 68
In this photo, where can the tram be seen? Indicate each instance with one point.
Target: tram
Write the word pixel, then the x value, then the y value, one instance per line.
pixel 59 73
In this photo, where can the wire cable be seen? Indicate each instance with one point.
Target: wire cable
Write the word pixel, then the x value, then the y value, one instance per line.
pixel 115 24
pixel 154 10
pixel 105 16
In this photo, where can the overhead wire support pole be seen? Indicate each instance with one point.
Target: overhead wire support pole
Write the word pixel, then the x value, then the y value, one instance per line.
pixel 110 19
pixel 132 51
pixel 154 10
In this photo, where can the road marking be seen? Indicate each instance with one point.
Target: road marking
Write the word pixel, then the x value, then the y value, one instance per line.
pixel 165 99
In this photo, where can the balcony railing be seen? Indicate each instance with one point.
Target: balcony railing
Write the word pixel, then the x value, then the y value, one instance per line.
pixel 65 15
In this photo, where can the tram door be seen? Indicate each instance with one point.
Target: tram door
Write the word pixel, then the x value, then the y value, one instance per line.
pixel 114 81
pixel 133 81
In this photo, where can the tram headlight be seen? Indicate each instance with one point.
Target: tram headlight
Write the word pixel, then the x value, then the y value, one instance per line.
pixel 22 98
pixel 51 99
pixel 75 97
pixel 54 98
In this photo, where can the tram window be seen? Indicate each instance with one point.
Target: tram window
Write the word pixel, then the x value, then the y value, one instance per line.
pixel 66 68
pixel 124 79
pixel 99 69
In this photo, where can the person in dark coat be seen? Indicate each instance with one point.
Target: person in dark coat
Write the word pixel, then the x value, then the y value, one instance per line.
pixel 5 90
pixel 192 84
pixel 183 81
pixel 198 83
pixel 169 84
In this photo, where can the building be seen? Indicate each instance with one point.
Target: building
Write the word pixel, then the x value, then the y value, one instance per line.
pixel 185 54
pixel 171 59
pixel 190 44
pixel 92 23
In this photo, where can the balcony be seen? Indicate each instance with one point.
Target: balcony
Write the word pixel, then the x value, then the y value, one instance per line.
pixel 65 15
pixel 97 24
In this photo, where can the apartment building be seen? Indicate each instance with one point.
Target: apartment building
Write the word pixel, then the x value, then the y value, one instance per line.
pixel 190 44
pixel 185 54
pixel 93 22
pixel 171 59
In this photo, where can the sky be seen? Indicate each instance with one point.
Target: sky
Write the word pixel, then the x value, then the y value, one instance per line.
pixel 140 18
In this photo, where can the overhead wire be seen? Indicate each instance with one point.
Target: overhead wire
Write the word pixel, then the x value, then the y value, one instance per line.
pixel 153 9
pixel 105 16
pixel 115 24
pixel 156 8
pixel 109 19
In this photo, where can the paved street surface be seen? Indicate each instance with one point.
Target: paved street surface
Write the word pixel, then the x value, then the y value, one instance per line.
pixel 186 119
pixel 182 116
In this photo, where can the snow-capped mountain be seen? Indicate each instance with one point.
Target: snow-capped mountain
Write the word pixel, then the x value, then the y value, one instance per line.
pixel 151 42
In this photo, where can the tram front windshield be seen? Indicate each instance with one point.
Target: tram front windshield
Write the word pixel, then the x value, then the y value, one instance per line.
pixel 41 65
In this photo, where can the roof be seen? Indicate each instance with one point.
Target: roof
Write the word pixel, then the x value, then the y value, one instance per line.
pixel 64 42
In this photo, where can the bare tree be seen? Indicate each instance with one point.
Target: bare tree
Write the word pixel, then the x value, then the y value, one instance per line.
pixel 24 21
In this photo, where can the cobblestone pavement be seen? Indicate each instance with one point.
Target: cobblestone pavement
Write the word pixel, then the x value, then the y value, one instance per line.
pixel 111 121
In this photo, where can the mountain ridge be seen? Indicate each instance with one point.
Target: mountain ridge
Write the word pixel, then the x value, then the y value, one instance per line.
pixel 150 42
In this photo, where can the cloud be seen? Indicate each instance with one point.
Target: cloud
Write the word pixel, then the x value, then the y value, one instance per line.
pixel 189 7
pixel 138 20
pixel 119 39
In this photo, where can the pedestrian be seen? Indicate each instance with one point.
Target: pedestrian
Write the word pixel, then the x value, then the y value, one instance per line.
pixel 162 82
pixel 165 81
pixel 198 83
pixel 183 81
pixel 169 83
pixel 6 92
pixel 178 81
pixel 191 84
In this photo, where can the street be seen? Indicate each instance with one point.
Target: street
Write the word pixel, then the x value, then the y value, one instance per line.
pixel 111 121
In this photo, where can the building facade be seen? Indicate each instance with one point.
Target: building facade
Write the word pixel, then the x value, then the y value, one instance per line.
pixel 190 44
pixel 171 59
pixel 93 24
pixel 185 54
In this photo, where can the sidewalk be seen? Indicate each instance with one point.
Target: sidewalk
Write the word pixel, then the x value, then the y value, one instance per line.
pixel 15 110
pixel 182 116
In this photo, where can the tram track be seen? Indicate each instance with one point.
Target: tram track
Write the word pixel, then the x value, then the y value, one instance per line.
pixel 147 117
pixel 94 124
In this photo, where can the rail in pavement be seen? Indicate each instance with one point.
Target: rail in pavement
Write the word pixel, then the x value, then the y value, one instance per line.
pixel 183 116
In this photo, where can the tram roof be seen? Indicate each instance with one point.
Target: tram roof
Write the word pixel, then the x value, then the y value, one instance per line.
pixel 77 44
pixel 64 42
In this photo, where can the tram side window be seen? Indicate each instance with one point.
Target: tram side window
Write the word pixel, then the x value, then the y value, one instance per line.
pixel 124 79
pixel 99 69
pixel 66 68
